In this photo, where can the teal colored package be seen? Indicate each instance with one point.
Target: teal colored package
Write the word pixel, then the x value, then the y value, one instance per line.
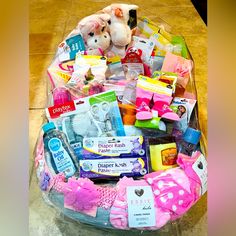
pixel 67 49
pixel 94 116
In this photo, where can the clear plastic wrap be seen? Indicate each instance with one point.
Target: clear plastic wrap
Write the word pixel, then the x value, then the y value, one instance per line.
pixel 117 126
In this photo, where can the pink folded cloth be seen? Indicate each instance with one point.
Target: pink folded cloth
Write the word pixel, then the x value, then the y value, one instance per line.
pixel 81 195
pixel 177 189
pixel 107 196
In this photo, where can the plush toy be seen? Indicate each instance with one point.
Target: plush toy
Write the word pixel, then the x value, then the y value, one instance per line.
pixel 94 31
pixel 118 26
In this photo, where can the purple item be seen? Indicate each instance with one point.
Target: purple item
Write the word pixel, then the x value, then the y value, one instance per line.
pixel 61 95
pixel 137 146
pixel 137 166
pixel 44 181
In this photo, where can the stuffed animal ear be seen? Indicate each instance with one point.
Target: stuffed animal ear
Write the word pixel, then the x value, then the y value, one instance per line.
pixel 105 17
pixel 132 7
pixel 118 12
pixel 107 10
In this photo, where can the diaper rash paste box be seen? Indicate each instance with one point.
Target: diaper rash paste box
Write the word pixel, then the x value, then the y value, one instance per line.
pixel 114 157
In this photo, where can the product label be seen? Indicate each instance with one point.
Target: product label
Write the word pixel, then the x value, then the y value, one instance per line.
pixel 146 45
pixel 115 67
pixel 112 167
pixel 56 111
pixel 153 85
pixel 61 158
pixel 166 77
pixel 200 167
pixel 114 146
pixel 114 156
pixel 137 67
pixel 69 48
pixel 92 116
pixel 161 42
pixel 141 211
pixel 169 156
pixel 147 27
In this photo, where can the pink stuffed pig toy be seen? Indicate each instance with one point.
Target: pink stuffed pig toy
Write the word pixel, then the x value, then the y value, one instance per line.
pixel 118 26
pixel 94 31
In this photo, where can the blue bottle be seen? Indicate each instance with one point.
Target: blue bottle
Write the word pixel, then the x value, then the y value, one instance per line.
pixel 189 141
pixel 56 147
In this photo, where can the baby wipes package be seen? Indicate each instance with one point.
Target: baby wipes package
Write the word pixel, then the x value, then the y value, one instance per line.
pixel 93 116
pixel 114 157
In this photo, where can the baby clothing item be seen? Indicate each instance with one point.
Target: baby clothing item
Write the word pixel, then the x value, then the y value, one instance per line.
pixel 107 196
pixel 186 163
pixel 161 93
pixel 81 195
pixel 175 190
pixel 179 65
pixel 143 99
pixel 59 182
pixel 119 210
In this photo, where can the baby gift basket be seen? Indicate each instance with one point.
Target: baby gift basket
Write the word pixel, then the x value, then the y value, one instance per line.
pixel 121 147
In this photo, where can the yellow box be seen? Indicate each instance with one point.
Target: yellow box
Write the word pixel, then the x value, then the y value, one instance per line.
pixel 163 156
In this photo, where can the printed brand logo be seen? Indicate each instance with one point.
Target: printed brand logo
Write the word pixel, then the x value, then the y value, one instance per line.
pixel 200 165
pixel 54 144
pixel 87 166
pixel 56 111
pixel 139 192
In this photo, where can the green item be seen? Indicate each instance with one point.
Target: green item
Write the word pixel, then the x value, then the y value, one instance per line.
pixel 154 123
pixel 179 40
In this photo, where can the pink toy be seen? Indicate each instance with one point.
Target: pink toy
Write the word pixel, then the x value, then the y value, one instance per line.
pixel 119 30
pixel 94 31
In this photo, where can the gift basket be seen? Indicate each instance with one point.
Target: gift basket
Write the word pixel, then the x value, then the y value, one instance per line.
pixel 121 146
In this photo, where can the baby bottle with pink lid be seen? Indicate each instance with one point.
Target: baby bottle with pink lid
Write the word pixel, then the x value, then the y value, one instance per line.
pixel 61 95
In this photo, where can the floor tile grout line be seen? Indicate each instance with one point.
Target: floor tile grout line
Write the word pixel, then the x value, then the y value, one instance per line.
pixel 36 108
pixel 41 53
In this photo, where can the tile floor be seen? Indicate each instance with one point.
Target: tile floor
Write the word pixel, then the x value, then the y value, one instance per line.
pixel 49 22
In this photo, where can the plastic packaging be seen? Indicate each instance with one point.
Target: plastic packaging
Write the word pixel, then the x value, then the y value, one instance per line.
pixel 61 95
pixel 122 167
pixel 163 153
pixel 62 157
pixel 189 141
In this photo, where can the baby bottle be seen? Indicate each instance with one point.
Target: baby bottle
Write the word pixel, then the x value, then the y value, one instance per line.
pixel 61 95
pixel 56 147
pixel 189 141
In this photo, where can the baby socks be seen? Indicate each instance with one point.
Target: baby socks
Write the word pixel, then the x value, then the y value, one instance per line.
pixel 161 105
pixel 119 210
pixel 143 99
pixel 170 196
pixel 148 89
